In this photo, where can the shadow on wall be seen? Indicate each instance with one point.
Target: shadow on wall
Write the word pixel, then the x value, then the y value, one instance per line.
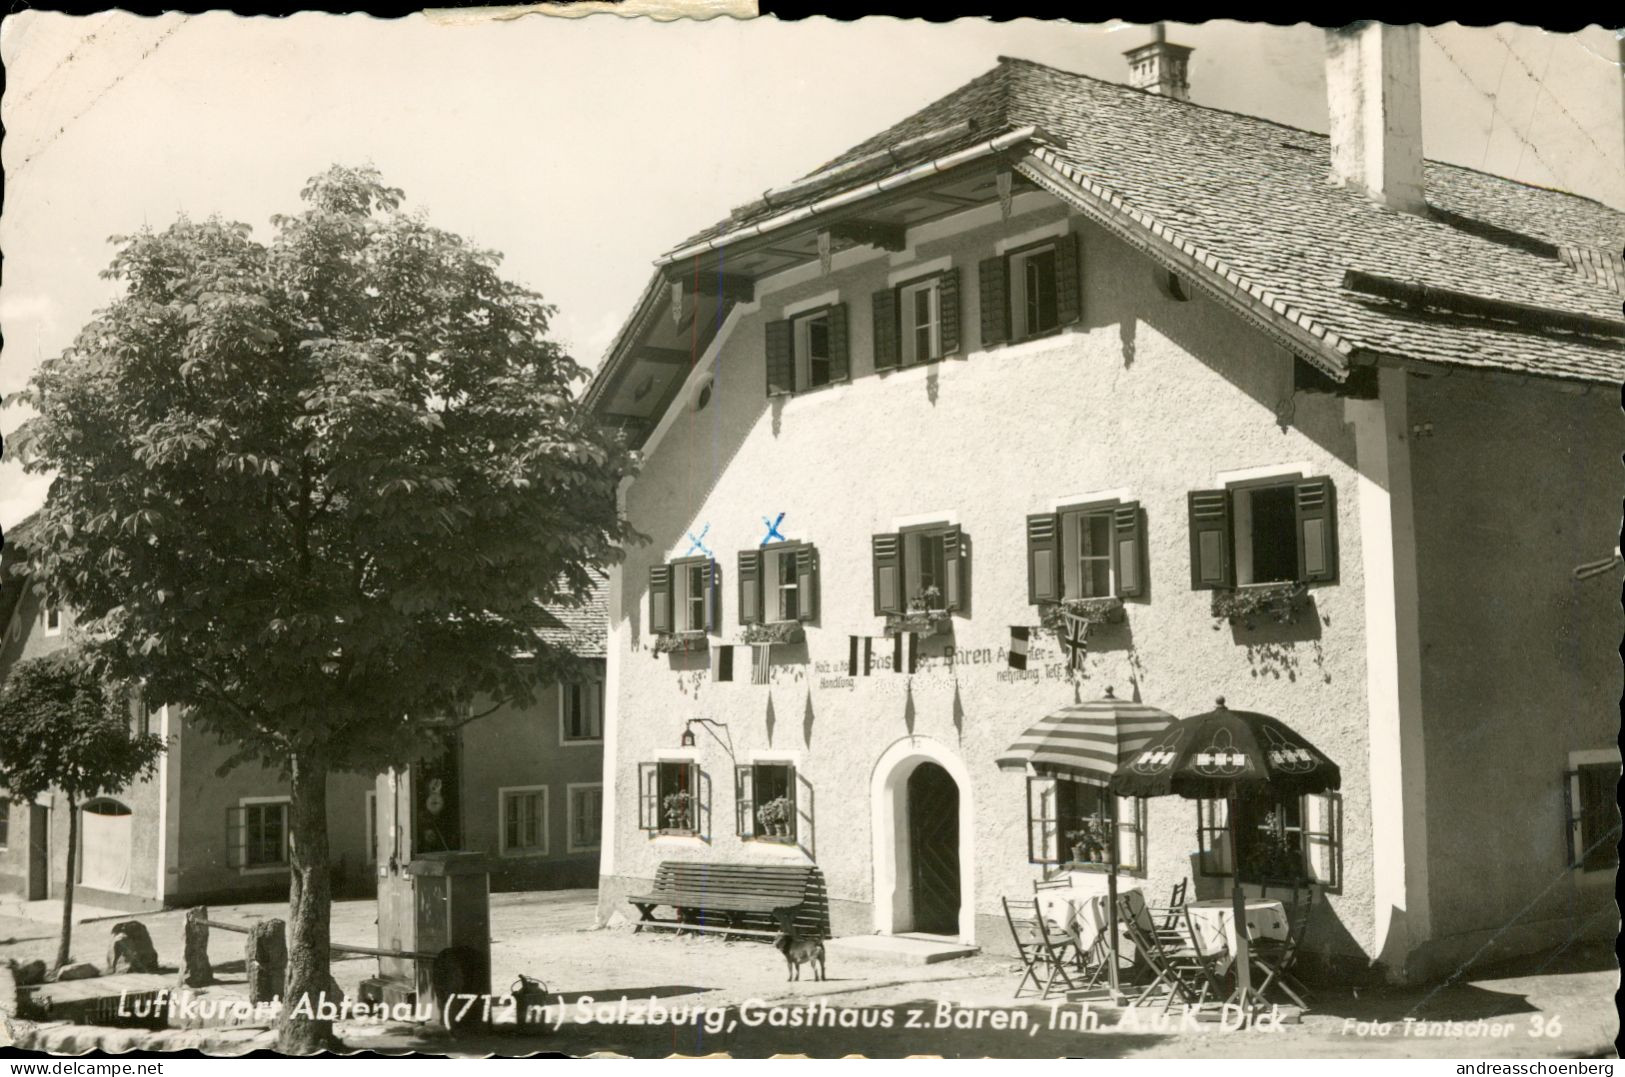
pixel 1274 649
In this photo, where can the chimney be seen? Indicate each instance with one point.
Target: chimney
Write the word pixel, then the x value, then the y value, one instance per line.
pixel 1159 67
pixel 1374 99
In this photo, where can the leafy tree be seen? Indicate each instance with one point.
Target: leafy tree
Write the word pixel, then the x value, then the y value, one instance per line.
pixel 316 491
pixel 63 727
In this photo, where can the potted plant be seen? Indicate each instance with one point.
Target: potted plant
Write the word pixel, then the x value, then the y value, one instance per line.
pixel 677 810
pixel 1089 842
pixel 679 642
pixel 1248 604
pixel 775 817
pixel 926 615
pixel 773 632
pixel 1271 855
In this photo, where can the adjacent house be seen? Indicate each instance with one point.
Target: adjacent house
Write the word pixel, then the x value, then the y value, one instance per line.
pixel 1308 422
pixel 527 784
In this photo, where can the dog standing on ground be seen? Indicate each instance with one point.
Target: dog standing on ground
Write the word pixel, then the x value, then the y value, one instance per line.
pixel 798 951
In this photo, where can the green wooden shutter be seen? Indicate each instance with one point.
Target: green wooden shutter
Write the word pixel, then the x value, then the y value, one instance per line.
pixel 1317 531
pixel 948 309
pixel 750 587
pixel 744 800
pixel 801 826
pixel 840 369
pixel 713 596
pixel 1322 839
pixel 887 352
pixel 1211 563
pixel 649 796
pixel 954 557
pixel 1212 839
pixel 660 598
pixel 1129 819
pixel 1129 549
pixel 807 582
pixel 1068 280
pixel 1599 816
pixel 236 836
pixel 993 284
pixel 888 571
pixel 1043 558
pixel 781 361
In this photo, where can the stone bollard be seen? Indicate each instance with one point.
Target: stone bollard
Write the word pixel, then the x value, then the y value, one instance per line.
pixel 266 961
pixel 195 968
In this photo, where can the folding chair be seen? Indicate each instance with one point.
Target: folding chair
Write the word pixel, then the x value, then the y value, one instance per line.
pixel 1176 899
pixel 1044 959
pixel 1174 956
pixel 1049 891
pixel 1276 957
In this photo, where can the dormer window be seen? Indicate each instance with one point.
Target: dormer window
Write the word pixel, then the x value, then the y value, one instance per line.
pixel 917 321
pixel 1030 291
pixel 807 350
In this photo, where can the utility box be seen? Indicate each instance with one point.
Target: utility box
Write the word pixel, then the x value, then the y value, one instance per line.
pixel 433 898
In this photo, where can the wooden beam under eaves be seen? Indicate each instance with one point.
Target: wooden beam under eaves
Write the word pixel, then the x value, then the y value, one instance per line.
pixel 674 356
pixel 706 282
pixel 890 237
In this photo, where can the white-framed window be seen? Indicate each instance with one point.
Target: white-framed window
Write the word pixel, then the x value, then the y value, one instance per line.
pixel 1033 306
pixel 1087 564
pixel 810 347
pixel 690 586
pixel 1082 827
pixel 523 820
pixel 52 615
pixel 258 830
pixel 581 712
pixel 586 816
pixel 1266 532
pixel 920 317
pixel 1590 788
pixel 783 595
pixel 1269 530
pixel 1287 841
pixel 765 802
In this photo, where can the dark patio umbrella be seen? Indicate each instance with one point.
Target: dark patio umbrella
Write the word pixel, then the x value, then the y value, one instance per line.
pixel 1233 755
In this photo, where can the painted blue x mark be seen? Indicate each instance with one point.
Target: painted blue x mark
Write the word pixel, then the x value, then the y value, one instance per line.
pixel 772 529
pixel 697 542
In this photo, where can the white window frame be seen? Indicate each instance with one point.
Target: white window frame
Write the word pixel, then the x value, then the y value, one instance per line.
pixel 1071 544
pixel 49 611
pixel 1241 493
pixel 565 740
pixel 570 813
pixel 502 819
pixel 909 351
pixel 682 599
pixel 1019 330
pixel 243 804
pixel 801 349
pixel 773 559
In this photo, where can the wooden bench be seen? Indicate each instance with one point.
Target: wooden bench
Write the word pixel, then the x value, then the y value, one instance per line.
pixel 735 899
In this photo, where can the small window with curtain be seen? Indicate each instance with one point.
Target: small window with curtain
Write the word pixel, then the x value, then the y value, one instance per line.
pixel 581 712
pixel 586 817
pixel 765 802
pixel 257 834
pixel 524 820
pixel 1081 826
pixel 1084 552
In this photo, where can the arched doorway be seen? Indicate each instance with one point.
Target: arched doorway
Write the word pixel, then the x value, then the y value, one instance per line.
pixel 924 841
pixel 933 843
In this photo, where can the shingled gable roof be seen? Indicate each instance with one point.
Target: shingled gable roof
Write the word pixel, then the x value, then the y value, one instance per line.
pixel 582 630
pixel 1245 205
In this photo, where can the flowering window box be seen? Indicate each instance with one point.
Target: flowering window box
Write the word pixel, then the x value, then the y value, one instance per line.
pixel 1094 611
pixel 1250 603
pixel 773 632
pixel 919 622
pixel 680 643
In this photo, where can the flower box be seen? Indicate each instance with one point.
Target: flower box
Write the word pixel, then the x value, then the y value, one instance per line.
pixel 919 622
pixel 1094 611
pixel 1248 604
pixel 773 632
pixel 679 643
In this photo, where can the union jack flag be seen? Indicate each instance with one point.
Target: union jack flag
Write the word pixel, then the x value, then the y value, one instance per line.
pixel 1076 642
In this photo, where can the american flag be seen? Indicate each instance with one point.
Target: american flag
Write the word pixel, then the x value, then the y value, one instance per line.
pixel 1076 642
pixel 760 656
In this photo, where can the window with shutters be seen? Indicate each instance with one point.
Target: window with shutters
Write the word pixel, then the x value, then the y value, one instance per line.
pixel 524 820
pixel 1086 552
pixel 807 351
pixel 1032 292
pixel 581 712
pixel 1593 817
pixel 919 308
pixel 811 350
pixel 1287 841
pixel 586 814
pixel 683 596
pixel 921 570
pixel 1083 827
pixel 1271 531
pixel 917 321
pixel 672 797
pixel 778 583
pixel 765 802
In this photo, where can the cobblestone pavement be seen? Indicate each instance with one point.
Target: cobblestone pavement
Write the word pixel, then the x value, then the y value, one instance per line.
pixel 1542 1008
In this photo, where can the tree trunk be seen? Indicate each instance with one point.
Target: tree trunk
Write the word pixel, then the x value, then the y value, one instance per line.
pixel 304 1029
pixel 65 945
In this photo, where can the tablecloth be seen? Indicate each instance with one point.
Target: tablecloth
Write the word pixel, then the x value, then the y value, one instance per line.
pixel 1213 921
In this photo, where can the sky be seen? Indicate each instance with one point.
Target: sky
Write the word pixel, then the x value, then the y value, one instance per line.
pixel 582 148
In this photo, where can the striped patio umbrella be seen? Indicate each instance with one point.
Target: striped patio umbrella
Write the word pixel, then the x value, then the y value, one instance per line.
pixel 1086 742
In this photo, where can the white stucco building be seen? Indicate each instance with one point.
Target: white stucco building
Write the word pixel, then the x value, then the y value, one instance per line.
pixel 1055 339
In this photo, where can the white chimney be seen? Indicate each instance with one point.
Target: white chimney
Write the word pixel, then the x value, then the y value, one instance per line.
pixel 1374 97
pixel 1160 67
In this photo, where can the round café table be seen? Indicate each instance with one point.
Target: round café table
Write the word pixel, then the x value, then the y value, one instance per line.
pixel 1214 923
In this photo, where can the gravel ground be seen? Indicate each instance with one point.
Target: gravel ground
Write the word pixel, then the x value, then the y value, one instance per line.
pixel 959 1008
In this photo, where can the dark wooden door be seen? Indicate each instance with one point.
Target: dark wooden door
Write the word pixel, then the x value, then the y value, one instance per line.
pixel 933 841
pixel 39 852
